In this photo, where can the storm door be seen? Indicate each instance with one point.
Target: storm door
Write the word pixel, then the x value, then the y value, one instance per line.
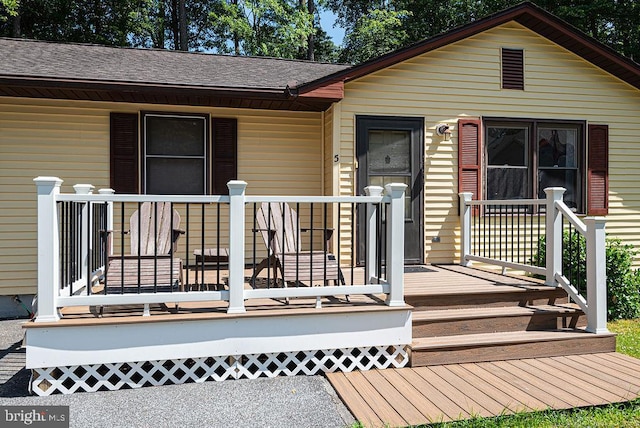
pixel 390 150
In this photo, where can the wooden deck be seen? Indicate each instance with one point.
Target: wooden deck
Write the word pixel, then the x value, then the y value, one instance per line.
pixel 413 396
pixel 430 283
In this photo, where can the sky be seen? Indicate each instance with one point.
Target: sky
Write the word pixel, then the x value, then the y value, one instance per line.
pixel 327 19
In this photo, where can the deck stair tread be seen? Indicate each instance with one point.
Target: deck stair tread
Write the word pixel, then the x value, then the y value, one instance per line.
pixel 500 338
pixel 501 311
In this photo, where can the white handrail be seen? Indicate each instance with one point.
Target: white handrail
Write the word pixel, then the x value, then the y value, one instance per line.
pixel 593 229
pixel 573 219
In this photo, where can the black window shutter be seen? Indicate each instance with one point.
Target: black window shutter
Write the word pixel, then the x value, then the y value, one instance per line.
pixel 512 69
pixel 124 152
pixel 224 152
pixel 598 175
pixel 469 157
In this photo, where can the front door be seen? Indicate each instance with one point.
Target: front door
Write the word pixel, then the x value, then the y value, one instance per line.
pixel 390 150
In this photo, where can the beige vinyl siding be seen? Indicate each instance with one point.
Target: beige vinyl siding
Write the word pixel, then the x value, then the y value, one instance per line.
pixel 463 80
pixel 278 153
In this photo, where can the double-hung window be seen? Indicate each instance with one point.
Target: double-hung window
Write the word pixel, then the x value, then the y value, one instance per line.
pixel 176 154
pixel 522 158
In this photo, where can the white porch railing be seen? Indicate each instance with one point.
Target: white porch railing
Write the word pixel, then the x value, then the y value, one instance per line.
pixel 516 233
pixel 70 266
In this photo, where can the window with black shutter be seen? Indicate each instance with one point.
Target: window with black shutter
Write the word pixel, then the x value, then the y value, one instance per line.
pixel 176 154
pixel 180 154
pixel 124 152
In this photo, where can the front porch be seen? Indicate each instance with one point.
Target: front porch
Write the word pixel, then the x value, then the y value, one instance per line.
pixel 231 320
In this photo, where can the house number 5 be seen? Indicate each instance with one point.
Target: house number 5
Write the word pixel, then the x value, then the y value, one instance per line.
pixel 336 158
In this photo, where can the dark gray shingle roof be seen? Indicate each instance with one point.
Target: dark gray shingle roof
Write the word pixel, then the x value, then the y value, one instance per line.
pixel 47 60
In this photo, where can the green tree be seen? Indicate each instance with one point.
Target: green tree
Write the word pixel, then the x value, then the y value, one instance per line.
pixel 277 28
pixel 88 21
pixel 616 24
pixel 375 33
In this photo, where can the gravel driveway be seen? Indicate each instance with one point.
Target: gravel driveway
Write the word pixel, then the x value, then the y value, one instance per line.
pixel 300 401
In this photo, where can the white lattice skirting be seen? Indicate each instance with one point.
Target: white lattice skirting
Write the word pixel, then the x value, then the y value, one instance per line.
pixel 113 376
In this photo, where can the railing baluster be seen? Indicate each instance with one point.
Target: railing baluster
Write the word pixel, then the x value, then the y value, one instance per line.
pixel 311 242
pixel 203 229
pixel 324 242
pixel 272 246
pixel 353 240
pixel 186 238
pixel 171 246
pixel 217 246
pixel 255 231
pixel 298 244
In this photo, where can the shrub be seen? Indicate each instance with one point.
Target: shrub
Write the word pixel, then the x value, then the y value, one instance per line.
pixel 623 283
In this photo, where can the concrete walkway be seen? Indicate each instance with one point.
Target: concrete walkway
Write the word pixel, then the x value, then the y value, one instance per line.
pixel 301 401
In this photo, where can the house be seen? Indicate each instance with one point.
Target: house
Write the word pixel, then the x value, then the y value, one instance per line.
pixel 503 107
pixel 85 113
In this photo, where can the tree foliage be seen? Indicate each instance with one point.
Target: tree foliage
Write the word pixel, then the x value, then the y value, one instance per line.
pixel 280 28
pixel 616 24
pixel 291 28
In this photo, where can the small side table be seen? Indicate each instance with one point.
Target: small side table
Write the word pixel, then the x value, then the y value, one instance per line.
pixel 210 255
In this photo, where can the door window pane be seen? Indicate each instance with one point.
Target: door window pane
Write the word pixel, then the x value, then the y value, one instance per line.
pixel 389 152
pixel 381 180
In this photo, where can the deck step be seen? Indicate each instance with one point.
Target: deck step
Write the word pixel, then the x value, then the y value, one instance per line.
pixel 470 348
pixel 446 322
pixel 501 296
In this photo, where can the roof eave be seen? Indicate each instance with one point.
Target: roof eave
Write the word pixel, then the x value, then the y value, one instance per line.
pixel 130 92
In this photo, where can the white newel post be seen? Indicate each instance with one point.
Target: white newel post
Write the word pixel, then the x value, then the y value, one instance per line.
pixel 465 227
pixel 596 275
pixel 395 243
pixel 370 265
pixel 236 246
pixel 553 228
pixel 109 217
pixel 48 249
pixel 85 233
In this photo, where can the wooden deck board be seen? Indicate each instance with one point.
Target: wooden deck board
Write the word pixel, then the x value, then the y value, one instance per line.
pixel 390 391
pixel 487 403
pixel 448 410
pixel 520 395
pixel 384 410
pixel 542 379
pixel 409 391
pixel 561 377
pixel 619 372
pixel 503 398
pixel 458 391
pixel 355 402
pixel 467 405
pixel 527 384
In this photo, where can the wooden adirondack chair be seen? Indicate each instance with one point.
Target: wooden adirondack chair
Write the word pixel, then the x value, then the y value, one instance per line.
pixel 281 232
pixel 150 263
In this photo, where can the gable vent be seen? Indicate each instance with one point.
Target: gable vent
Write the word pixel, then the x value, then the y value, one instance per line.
pixel 512 69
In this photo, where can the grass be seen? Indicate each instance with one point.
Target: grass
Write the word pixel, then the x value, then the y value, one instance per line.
pixel 628 340
pixel 625 415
